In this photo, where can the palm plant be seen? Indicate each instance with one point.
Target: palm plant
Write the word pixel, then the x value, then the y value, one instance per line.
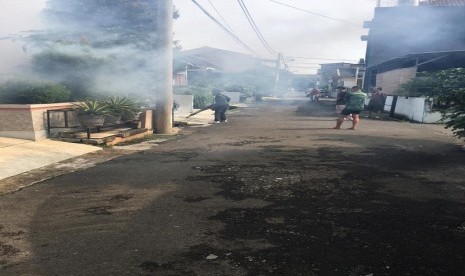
pixel 91 107
pixel 91 112
pixel 122 106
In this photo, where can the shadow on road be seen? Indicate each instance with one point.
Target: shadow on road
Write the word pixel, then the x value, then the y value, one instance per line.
pixel 249 199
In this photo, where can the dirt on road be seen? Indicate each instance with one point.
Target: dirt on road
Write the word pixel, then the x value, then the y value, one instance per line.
pixel 275 191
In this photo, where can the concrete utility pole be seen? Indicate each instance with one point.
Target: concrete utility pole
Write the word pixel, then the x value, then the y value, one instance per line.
pixel 164 97
pixel 276 81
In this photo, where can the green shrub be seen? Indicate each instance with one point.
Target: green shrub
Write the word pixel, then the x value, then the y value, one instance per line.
pixel 247 90
pixel 75 69
pixel 447 87
pixel 202 96
pixel 33 92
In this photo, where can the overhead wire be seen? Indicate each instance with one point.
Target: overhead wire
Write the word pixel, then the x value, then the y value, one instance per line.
pixel 314 13
pixel 255 27
pixel 337 59
pixel 304 67
pixel 221 16
pixel 229 31
pixel 224 28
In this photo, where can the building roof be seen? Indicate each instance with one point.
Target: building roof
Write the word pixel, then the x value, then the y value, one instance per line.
pixel 341 69
pixel 443 3
pixel 425 61
pixel 218 59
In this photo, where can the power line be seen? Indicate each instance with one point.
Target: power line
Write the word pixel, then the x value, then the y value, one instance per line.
pixel 224 20
pixel 306 63
pixel 223 27
pixel 336 59
pixel 255 28
pixel 304 67
pixel 314 13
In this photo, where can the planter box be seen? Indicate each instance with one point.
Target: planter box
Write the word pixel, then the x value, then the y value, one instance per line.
pixel 91 120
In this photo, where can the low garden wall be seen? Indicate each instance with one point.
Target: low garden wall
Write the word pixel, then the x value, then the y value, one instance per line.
pixel 29 121
pixel 416 109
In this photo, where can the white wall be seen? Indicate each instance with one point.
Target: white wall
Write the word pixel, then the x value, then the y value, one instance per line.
pixel 235 96
pixel 186 103
pixel 349 82
pixel 414 109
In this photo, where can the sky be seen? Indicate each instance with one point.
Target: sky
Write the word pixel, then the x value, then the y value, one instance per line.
pixel 314 32
pixel 16 16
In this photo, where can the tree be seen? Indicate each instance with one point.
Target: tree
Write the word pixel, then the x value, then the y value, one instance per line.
pixel 447 87
pixel 103 23
pixel 98 45
pixel 32 92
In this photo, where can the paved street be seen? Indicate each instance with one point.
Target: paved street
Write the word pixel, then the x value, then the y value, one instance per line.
pixel 275 191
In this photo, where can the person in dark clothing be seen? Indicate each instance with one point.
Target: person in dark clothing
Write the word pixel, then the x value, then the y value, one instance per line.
pixel 376 103
pixel 220 105
pixel 341 101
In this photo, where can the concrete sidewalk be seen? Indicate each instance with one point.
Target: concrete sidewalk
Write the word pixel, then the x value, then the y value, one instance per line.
pixel 18 156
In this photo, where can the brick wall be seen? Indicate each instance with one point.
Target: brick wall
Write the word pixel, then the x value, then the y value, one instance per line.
pixel 390 81
pixel 28 121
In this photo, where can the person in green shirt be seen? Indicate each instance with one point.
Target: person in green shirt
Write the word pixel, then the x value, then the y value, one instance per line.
pixel 355 104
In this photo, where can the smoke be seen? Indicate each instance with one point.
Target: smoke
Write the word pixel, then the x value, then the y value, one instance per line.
pixel 294 33
pixel 399 31
pixel 96 47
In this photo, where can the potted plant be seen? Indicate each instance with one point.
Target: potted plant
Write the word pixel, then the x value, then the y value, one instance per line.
pixel 117 107
pixel 123 107
pixel 91 112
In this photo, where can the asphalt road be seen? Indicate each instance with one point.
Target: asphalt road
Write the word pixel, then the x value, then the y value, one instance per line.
pixel 273 192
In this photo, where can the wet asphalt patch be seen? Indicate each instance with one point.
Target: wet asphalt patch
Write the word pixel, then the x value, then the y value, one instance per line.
pixel 335 214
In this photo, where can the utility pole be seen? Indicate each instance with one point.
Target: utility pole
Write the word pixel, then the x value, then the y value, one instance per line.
pixel 277 73
pixel 164 97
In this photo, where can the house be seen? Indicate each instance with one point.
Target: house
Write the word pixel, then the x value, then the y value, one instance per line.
pixel 204 63
pixel 403 40
pixel 333 75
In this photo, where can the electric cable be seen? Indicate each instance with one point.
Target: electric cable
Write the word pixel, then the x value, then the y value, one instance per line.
pixel 219 14
pixel 255 27
pixel 223 27
pixel 304 67
pixel 314 13
pixel 337 59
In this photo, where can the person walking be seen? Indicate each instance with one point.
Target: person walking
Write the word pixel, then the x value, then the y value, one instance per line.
pixel 355 104
pixel 220 105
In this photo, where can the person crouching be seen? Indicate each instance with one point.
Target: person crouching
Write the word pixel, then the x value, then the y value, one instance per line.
pixel 220 105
